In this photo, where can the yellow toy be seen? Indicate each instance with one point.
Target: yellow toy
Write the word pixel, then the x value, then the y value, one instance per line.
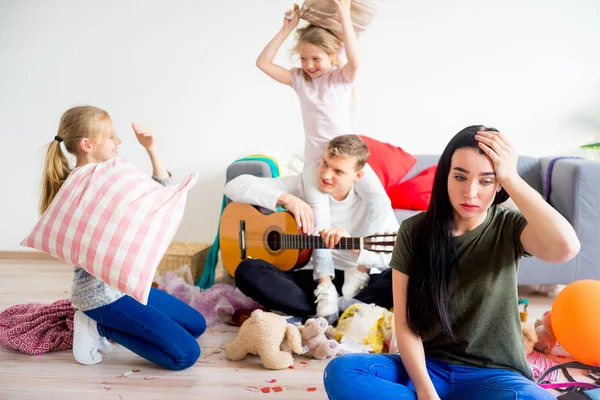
pixel 365 324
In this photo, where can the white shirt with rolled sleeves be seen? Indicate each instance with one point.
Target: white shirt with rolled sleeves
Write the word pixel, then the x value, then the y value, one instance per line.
pixel 348 214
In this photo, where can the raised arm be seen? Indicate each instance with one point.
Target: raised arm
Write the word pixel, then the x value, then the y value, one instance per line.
pixel 548 235
pixel 144 136
pixel 350 43
pixel 265 59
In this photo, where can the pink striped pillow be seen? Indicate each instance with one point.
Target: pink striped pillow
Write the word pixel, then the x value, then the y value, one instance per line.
pixel 114 222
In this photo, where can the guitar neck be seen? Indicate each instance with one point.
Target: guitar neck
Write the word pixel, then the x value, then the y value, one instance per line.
pixel 293 241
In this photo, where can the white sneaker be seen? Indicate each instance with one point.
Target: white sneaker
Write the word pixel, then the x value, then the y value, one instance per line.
pixel 354 282
pixel 86 340
pixel 327 299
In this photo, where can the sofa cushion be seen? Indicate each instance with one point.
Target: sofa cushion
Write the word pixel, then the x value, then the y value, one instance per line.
pixel 414 193
pixel 389 162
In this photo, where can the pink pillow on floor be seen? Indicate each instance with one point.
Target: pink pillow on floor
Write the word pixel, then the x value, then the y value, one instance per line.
pixel 114 222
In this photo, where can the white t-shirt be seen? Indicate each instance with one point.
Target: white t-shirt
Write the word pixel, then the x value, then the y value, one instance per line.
pixel 325 102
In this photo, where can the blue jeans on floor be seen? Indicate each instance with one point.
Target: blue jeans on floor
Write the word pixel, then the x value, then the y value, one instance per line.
pixel 383 377
pixel 163 332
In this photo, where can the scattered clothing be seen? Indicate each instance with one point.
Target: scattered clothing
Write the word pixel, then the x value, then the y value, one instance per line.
pixel 36 328
pixel 217 304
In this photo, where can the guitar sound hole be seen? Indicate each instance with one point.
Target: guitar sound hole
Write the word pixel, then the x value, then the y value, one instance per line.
pixel 274 241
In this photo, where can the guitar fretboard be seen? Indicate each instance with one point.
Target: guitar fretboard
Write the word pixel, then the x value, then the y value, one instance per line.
pixel 292 241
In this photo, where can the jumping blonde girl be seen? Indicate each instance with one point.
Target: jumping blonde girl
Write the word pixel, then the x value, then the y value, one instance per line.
pixel 324 88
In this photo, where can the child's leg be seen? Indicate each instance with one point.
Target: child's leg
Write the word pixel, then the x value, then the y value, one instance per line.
pixel 149 332
pixel 323 271
pixel 319 202
pixel 186 316
pixel 370 189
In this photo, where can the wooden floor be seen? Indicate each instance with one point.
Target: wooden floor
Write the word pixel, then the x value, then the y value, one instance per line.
pixel 58 376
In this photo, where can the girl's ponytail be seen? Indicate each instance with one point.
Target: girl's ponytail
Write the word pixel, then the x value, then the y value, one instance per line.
pixel 56 171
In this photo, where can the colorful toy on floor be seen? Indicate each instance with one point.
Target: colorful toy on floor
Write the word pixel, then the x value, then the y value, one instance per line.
pixel 529 338
pixel 546 339
pixel 524 314
pixel 314 341
pixel 263 334
pixel 217 304
pixel 575 321
pixel 365 324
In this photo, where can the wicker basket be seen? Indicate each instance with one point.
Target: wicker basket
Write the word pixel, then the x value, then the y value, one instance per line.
pixel 184 253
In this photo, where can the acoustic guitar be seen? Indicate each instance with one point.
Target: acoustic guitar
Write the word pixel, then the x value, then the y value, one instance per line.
pixel 246 232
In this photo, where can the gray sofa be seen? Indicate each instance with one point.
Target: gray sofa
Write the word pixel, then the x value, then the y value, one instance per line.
pixel 575 193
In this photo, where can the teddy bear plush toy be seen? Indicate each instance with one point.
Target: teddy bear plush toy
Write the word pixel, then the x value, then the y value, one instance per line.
pixel 547 342
pixel 529 338
pixel 263 334
pixel 546 339
pixel 314 341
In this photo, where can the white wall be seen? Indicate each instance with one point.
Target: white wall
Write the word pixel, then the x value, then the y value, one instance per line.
pixel 186 68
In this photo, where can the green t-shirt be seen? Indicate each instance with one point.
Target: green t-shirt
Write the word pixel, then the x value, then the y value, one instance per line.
pixel 484 310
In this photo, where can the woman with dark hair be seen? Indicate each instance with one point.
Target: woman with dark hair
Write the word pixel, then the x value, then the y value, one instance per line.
pixel 455 284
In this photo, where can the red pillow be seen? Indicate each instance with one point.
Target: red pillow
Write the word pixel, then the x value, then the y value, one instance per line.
pixel 415 193
pixel 389 162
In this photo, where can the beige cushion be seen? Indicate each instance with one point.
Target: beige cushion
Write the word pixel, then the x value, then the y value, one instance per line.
pixel 323 13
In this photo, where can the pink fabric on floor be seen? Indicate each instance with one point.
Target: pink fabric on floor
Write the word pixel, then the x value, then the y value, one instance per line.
pixel 218 303
pixel 539 363
pixel 36 328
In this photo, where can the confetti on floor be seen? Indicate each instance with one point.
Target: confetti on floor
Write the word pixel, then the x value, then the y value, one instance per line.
pixel 277 388
pixel 149 378
pixel 239 367
pixel 271 380
pixel 103 384
pixel 311 389
pixel 214 352
pixel 252 389
pixel 292 367
pixel 127 373
pixel 266 389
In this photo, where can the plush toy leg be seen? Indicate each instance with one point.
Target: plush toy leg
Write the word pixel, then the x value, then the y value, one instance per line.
pixel 277 359
pixel 326 349
pixel 235 350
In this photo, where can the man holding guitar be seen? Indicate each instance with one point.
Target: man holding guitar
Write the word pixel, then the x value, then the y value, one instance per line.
pixel 296 292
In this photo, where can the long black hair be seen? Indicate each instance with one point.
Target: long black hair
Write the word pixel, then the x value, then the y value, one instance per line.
pixel 434 250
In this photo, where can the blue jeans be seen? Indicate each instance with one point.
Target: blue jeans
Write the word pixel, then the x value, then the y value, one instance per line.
pixel 382 376
pixel 163 332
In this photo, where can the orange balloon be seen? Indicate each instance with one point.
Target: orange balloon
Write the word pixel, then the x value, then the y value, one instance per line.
pixel 576 320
